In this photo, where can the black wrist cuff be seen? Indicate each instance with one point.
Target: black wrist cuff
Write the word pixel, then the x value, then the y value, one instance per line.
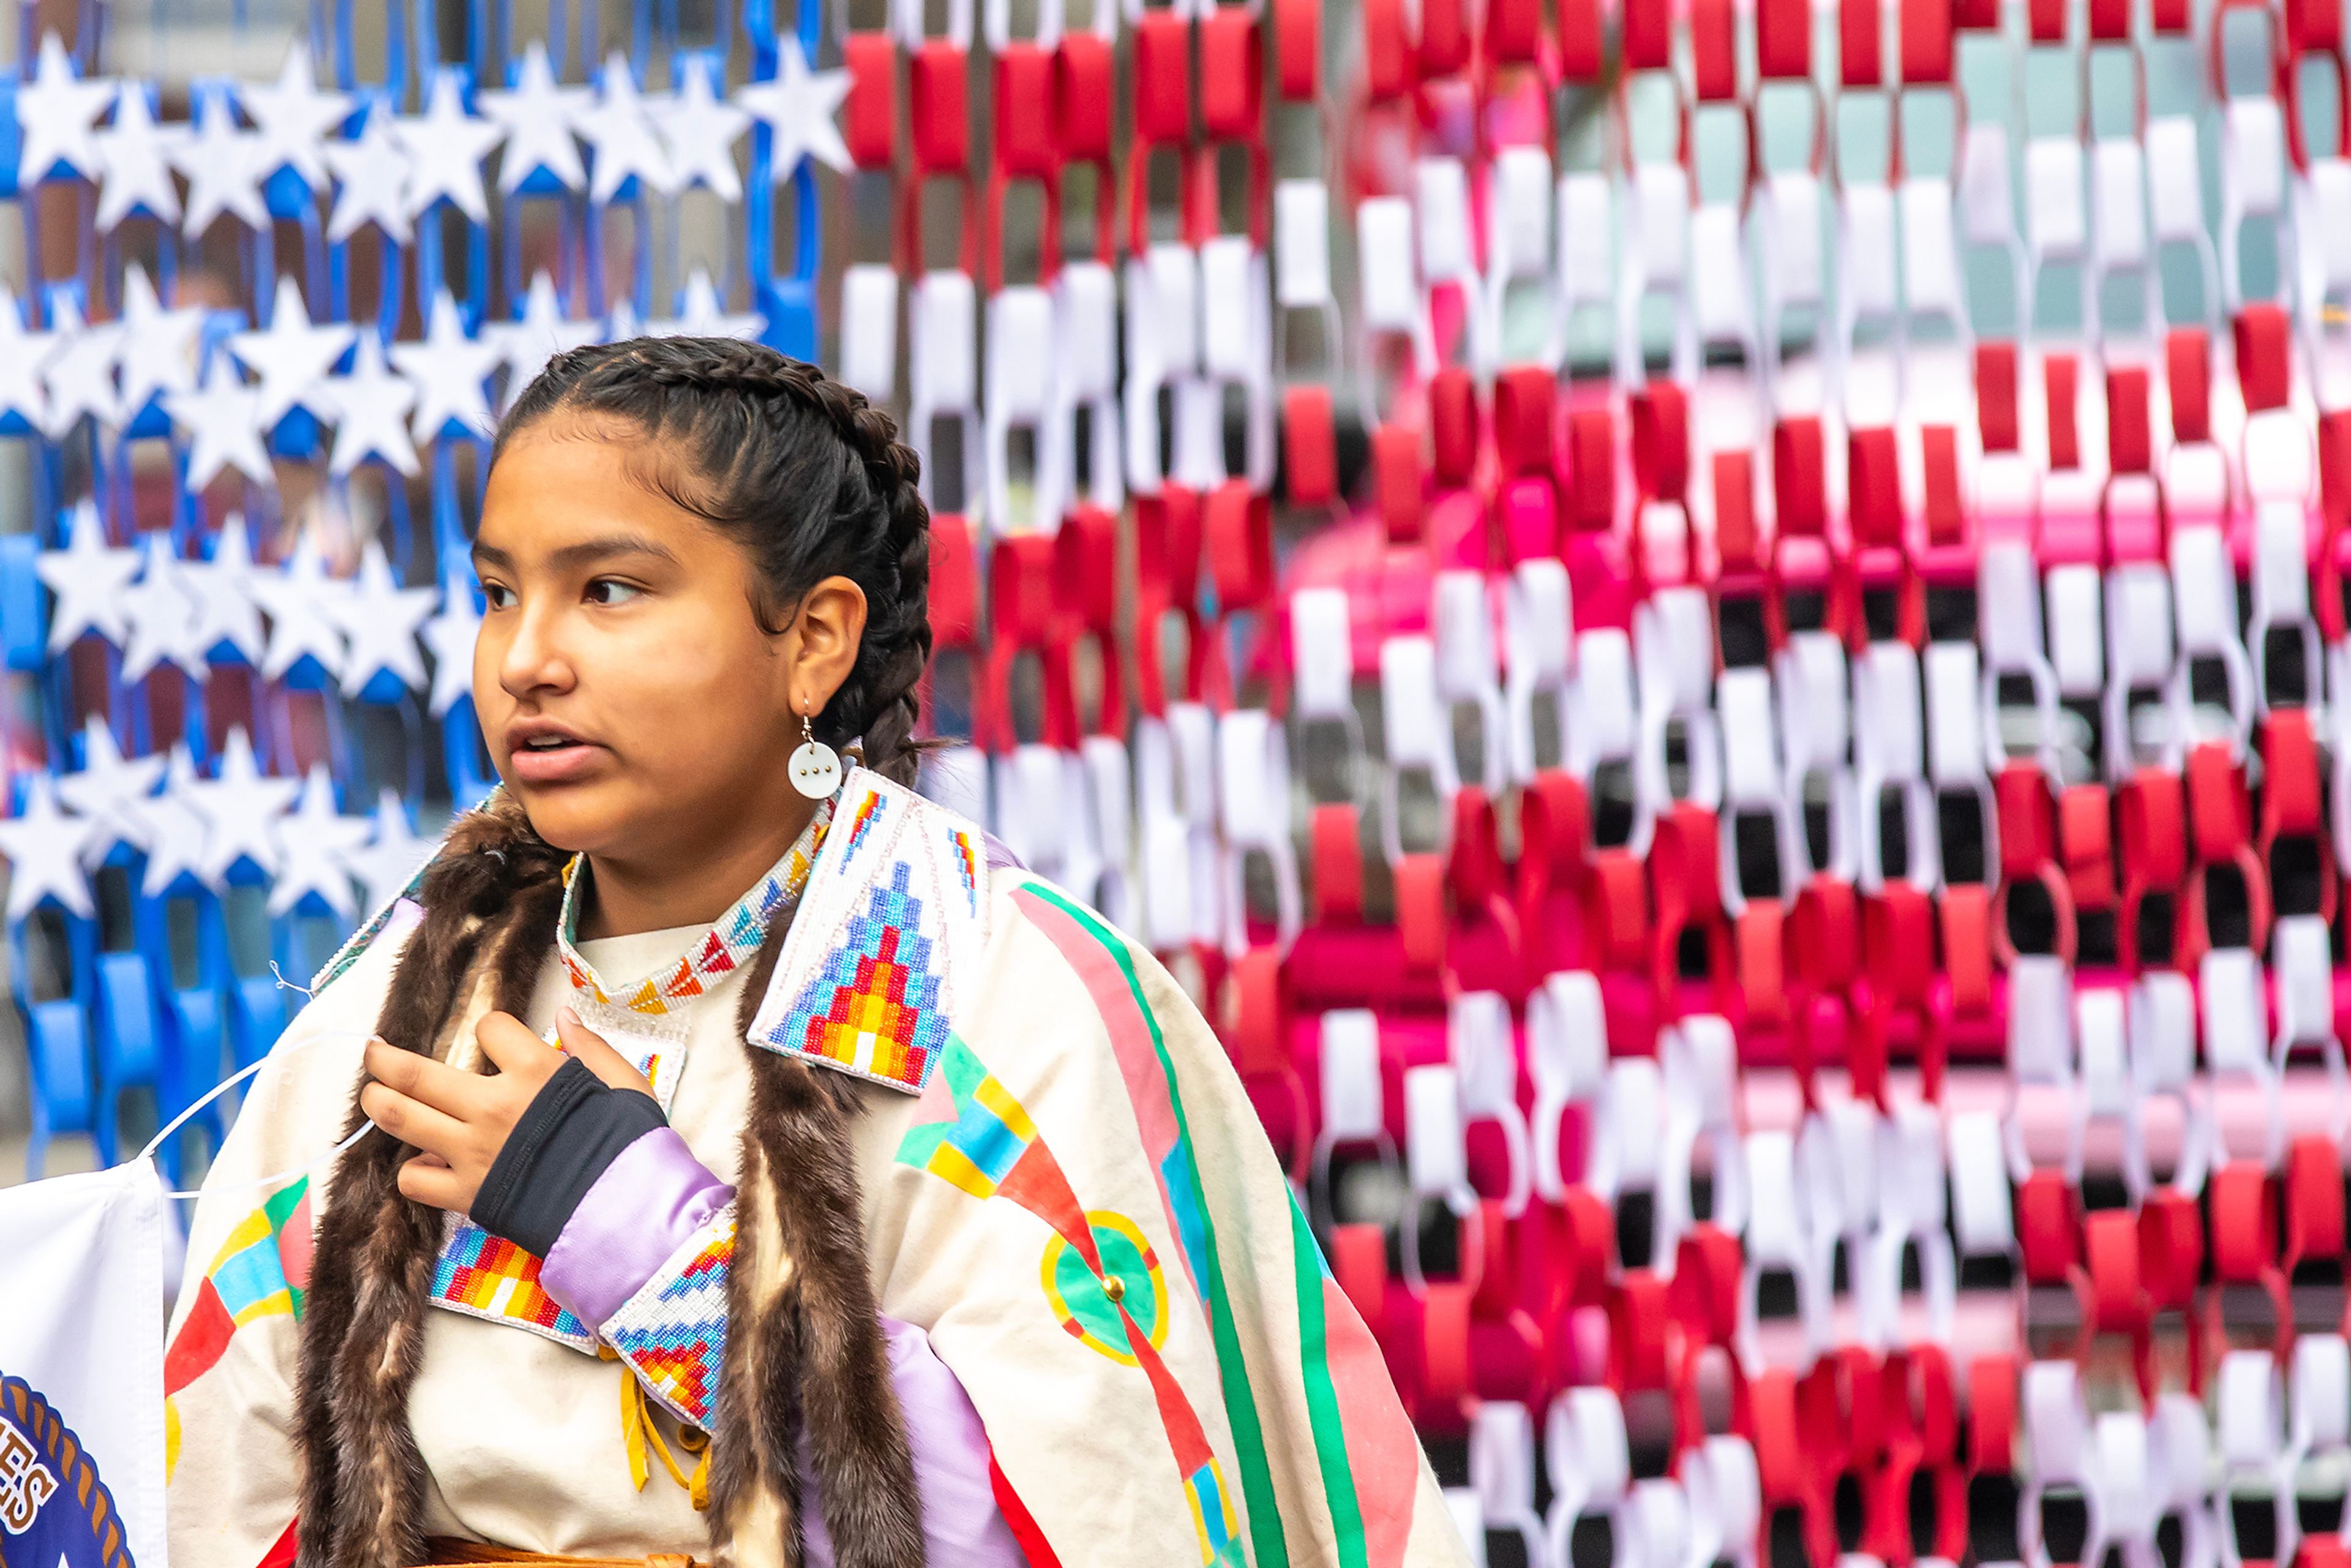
pixel 574 1129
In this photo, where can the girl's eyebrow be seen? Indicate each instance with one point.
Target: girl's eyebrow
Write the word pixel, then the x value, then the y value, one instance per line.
pixel 587 553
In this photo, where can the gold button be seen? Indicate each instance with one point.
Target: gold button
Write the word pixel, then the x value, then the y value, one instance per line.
pixel 1115 1288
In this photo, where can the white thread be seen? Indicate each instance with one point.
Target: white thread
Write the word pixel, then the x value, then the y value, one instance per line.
pixel 231 1081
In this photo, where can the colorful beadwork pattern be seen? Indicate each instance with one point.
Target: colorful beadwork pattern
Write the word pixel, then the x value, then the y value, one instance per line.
pixel 965 854
pixel 731 939
pixel 863 983
pixel 870 808
pixel 486 1276
pixel 875 1007
pixel 673 1331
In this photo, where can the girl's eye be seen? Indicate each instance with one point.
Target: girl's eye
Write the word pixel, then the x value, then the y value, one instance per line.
pixel 499 596
pixel 604 591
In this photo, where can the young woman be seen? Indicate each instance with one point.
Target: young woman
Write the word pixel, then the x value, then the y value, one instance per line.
pixel 879 1204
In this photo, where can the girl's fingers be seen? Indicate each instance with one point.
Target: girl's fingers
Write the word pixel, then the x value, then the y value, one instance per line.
pixel 607 1064
pixel 424 1181
pixel 427 1081
pixel 516 1052
pixel 416 1123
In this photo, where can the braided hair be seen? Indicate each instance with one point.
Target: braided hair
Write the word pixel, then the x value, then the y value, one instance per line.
pixel 802 471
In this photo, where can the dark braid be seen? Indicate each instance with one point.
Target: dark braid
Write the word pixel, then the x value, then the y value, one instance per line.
pixel 807 474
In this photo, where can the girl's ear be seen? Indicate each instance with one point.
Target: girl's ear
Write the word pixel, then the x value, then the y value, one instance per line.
pixel 826 631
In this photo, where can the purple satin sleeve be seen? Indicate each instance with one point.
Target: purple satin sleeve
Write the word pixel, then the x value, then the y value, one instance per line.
pixel 961 1526
pixel 645 1207
pixel 642 1208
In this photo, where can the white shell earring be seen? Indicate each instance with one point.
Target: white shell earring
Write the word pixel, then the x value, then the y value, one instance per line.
pixel 815 767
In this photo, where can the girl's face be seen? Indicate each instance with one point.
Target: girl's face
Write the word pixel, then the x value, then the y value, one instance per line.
pixel 629 696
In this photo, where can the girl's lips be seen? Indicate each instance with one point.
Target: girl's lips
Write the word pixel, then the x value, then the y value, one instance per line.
pixel 555 765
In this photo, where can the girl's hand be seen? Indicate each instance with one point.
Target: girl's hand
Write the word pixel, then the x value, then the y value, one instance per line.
pixel 461 1120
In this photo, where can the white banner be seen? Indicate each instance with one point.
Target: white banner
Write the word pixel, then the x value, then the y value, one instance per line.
pixel 81 1371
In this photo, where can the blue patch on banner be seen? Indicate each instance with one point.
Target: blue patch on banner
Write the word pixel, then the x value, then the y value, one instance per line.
pixel 54 1510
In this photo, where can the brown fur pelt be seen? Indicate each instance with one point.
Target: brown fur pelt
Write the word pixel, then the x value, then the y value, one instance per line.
pixel 804 1342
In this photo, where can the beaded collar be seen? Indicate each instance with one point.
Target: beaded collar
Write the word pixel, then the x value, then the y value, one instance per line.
pixel 651 1010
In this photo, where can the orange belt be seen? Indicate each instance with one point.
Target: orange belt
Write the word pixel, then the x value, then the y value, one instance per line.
pixel 446 1552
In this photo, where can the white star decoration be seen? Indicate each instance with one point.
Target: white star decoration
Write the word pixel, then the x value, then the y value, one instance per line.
pixel 135 153
pixel 538 337
pixel 225 609
pixel 111 793
pixel 81 374
pixel 240 809
pixel 449 637
pixel 292 358
pixel 54 113
pixel 159 346
pixel 300 600
pixel 43 846
pixel 23 356
pixel 446 148
pixel 313 841
pixel 175 846
pixel 370 162
pixel 371 176
pixel 162 610
pixel 379 618
pixel 223 419
pixel 371 408
pixel 702 314
pixel 223 166
pixel 621 134
pixel 451 373
pixel 86 580
pixel 292 118
pixel 537 117
pixel 700 129
pixel 799 106
pixel 387 862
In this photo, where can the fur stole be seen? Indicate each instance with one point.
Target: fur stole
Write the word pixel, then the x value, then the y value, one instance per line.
pixel 804 1350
